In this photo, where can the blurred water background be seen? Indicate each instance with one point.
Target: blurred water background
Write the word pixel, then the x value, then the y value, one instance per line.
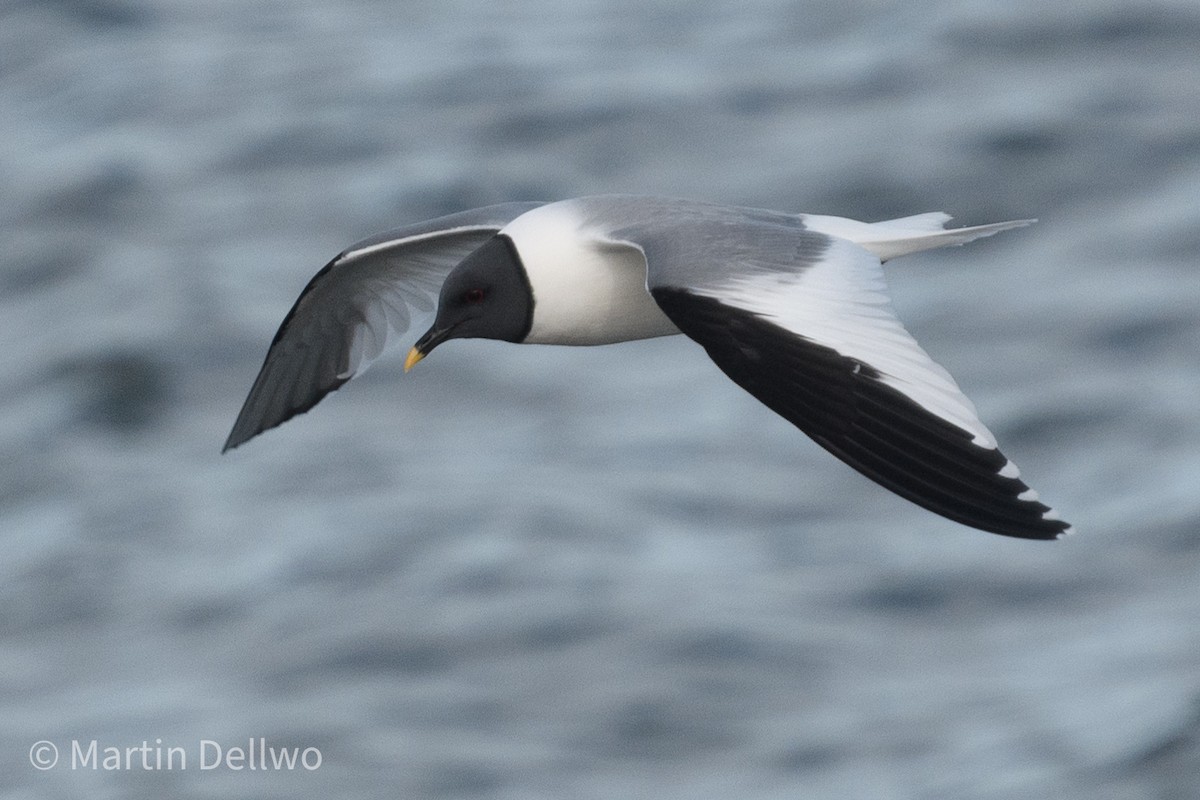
pixel 602 573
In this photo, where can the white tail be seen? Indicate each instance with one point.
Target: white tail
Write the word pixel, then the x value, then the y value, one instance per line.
pixel 899 237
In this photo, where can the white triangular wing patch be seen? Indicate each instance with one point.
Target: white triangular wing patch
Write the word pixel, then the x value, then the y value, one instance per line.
pixel 840 301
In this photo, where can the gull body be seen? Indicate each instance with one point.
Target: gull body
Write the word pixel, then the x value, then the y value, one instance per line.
pixel 792 307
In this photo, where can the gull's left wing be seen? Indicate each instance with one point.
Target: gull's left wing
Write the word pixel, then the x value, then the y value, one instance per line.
pixel 341 319
pixel 801 320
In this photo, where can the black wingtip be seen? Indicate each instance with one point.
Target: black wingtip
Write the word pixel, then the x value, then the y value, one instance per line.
pixel 231 443
pixel 255 419
pixel 844 406
pixel 256 414
pixel 238 435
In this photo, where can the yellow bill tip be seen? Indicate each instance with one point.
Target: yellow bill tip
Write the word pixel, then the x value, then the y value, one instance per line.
pixel 414 355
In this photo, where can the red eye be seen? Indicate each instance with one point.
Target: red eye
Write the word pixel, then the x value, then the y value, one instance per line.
pixel 473 296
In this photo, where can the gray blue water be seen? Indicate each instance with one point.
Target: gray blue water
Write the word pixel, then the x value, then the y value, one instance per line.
pixel 602 573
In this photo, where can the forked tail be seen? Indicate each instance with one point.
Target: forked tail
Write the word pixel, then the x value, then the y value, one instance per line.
pixel 899 237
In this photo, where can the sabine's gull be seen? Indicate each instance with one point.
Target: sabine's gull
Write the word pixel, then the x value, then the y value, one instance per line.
pixel 792 307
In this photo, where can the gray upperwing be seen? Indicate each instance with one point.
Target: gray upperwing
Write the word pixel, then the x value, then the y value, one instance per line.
pixel 340 320
pixel 800 319
pixel 691 244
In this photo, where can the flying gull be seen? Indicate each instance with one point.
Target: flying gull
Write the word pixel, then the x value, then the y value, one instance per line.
pixel 792 307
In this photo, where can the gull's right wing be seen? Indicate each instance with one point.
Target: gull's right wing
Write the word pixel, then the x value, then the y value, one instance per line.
pixel 797 314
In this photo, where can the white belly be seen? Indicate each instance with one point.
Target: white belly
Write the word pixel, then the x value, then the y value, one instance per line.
pixel 584 291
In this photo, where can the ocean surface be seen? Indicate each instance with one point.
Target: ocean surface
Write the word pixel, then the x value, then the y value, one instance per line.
pixel 588 573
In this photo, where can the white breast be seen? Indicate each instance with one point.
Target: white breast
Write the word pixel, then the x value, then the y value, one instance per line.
pixel 585 290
